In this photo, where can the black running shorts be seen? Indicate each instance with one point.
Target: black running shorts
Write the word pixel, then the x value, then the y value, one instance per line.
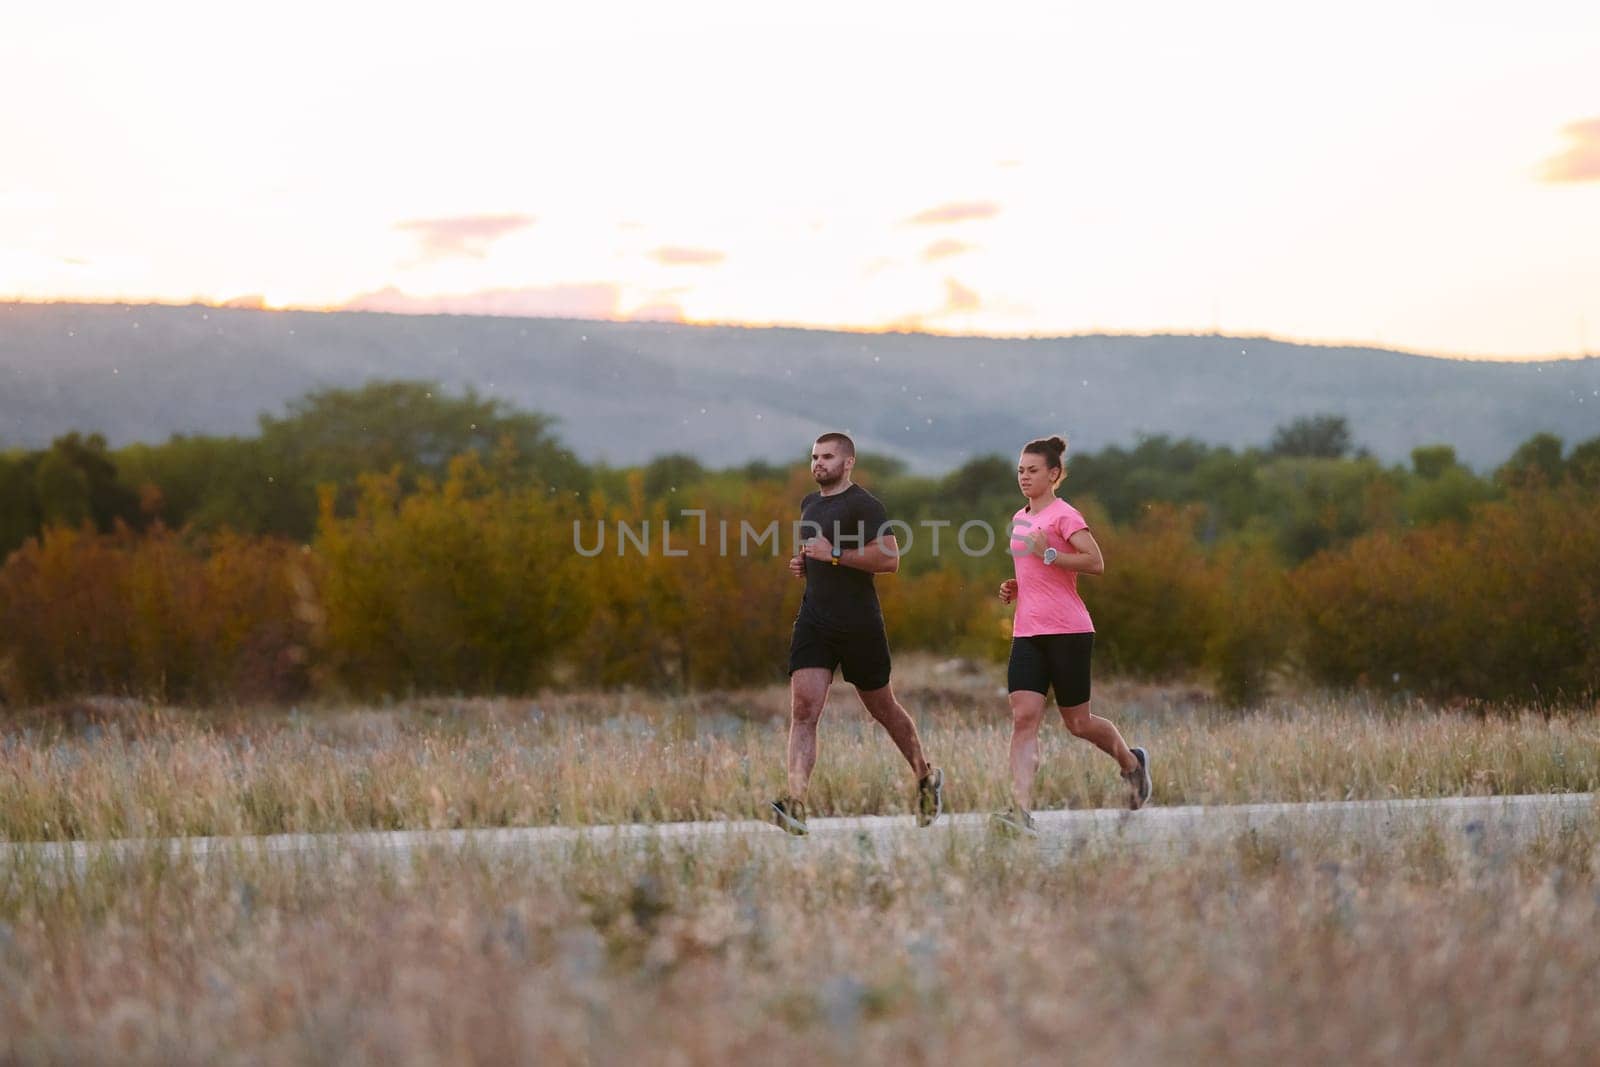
pixel 1046 660
pixel 864 654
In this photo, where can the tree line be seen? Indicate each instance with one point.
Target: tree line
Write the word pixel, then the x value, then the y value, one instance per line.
pixel 395 539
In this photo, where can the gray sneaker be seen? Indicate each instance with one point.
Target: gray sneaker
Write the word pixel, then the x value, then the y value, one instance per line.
pixel 790 814
pixel 1138 781
pixel 1013 822
pixel 930 796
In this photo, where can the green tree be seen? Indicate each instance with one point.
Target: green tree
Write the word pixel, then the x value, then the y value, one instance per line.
pixel 965 490
pixel 62 490
pixel 1314 437
pixel 760 470
pixel 1318 503
pixel 214 483
pixel 19 501
pixel 1583 464
pixel 671 474
pixel 1431 461
pixel 1537 461
pixel 332 436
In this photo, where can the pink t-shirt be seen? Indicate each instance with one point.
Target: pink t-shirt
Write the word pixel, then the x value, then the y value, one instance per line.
pixel 1047 596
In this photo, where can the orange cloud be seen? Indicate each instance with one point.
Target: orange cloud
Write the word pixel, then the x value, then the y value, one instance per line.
pixel 1580 162
pixel 674 256
pixel 957 212
pixel 466 235
pixel 958 298
pixel 946 247
pixel 594 300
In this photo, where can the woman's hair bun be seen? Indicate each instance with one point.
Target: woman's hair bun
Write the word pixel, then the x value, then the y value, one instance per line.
pixel 1052 448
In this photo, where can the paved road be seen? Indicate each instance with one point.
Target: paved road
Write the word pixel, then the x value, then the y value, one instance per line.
pixel 1474 821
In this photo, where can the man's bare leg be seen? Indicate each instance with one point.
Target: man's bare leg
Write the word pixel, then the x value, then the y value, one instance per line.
pixel 808 692
pixel 893 717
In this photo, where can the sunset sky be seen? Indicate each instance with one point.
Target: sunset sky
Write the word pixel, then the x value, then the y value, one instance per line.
pixel 1423 176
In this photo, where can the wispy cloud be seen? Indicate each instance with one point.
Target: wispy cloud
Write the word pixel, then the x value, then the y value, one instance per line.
pixel 1581 161
pixel 945 248
pixel 961 211
pixel 677 256
pixel 467 235
pixel 589 300
pixel 958 298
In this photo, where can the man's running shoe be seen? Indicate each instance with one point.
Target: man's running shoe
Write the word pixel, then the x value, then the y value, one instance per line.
pixel 930 796
pixel 1013 822
pixel 1138 781
pixel 790 814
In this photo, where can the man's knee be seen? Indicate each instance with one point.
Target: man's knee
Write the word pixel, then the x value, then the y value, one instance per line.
pixel 805 710
pixel 880 703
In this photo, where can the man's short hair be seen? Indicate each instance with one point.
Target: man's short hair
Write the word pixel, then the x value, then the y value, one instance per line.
pixel 848 446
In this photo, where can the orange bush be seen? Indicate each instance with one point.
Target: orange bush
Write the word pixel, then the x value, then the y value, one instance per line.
pixel 1153 607
pixel 1505 606
pixel 719 614
pixel 157 615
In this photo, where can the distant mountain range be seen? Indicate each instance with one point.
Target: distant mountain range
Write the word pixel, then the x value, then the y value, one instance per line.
pixel 626 392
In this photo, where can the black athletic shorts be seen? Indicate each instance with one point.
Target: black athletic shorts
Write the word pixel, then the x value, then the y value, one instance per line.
pixel 864 654
pixel 1046 660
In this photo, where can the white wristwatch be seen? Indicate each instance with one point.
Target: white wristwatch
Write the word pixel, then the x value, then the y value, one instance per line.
pixel 1050 555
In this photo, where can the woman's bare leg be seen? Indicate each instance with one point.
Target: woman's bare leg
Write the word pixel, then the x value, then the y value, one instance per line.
pixel 1027 712
pixel 1099 732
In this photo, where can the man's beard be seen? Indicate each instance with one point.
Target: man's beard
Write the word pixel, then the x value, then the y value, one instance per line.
pixel 823 481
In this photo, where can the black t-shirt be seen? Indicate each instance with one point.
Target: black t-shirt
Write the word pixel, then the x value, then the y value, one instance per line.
pixel 838 596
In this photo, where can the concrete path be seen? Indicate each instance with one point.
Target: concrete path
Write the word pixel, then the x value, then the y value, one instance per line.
pixel 1471 821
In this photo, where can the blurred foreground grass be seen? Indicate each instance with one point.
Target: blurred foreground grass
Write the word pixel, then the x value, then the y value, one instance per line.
pixel 1278 948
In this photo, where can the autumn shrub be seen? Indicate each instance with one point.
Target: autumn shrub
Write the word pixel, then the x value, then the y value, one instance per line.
pixel 159 615
pixel 948 611
pixel 460 586
pixel 1250 629
pixel 716 611
pixel 1153 606
pixel 1502 607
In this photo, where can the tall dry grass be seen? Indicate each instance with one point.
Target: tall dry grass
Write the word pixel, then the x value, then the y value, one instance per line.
pixel 133 771
pixel 1305 950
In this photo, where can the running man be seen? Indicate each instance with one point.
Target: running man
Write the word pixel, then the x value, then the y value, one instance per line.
pixel 841 625
pixel 1052 636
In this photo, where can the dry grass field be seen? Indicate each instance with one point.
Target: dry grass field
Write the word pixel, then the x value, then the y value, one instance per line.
pixel 1263 950
pixel 1427 947
pixel 108 770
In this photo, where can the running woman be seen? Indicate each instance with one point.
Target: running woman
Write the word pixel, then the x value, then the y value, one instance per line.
pixel 1052 636
pixel 840 624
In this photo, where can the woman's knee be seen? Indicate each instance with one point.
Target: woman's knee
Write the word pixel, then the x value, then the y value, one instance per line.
pixel 1078 720
pixel 1026 717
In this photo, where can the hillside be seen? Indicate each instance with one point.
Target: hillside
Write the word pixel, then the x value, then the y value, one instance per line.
pixel 627 391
